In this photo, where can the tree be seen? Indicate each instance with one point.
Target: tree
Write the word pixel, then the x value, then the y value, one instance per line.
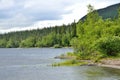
pixel 74 29
pixel 90 8
pixel 109 45
pixel 3 43
pixel 92 15
pixel 29 42
pixel 12 43
pixel 119 14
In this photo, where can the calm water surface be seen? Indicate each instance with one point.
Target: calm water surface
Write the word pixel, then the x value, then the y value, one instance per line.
pixel 33 64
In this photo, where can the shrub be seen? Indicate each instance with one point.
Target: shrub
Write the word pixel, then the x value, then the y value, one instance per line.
pixel 109 45
pixel 57 46
pixel 70 63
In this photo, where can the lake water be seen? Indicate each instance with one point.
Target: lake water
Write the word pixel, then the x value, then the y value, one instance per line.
pixel 34 64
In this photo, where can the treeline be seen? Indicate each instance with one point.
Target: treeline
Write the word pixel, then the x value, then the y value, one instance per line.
pixel 97 37
pixel 58 36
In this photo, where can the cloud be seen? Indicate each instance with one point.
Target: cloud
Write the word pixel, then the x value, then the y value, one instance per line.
pixel 27 12
pixel 6 4
pixel 31 14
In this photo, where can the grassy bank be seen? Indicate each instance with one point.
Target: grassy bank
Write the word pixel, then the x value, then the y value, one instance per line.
pixel 70 63
pixel 97 60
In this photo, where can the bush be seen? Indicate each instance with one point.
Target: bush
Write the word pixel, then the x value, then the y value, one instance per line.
pixel 57 46
pixel 109 45
pixel 70 63
pixel 71 54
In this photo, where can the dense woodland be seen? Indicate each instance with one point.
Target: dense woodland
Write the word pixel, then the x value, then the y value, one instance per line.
pixel 58 36
pixel 92 36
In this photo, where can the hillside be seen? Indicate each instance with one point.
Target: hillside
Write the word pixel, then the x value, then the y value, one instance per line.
pixel 108 12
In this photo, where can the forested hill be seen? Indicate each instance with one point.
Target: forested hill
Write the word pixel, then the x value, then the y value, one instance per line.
pixel 57 36
pixel 108 12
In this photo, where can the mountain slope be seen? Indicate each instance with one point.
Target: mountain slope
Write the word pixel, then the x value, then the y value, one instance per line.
pixel 108 12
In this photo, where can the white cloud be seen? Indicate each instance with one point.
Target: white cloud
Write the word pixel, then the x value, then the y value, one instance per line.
pixel 6 4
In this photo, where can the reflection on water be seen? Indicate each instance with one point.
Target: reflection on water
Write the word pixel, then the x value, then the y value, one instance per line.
pixel 100 73
pixel 33 64
pixel 94 73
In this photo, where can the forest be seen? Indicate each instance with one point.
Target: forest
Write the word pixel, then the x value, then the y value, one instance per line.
pixel 57 36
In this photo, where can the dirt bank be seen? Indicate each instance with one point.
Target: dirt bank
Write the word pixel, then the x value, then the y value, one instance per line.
pixel 112 63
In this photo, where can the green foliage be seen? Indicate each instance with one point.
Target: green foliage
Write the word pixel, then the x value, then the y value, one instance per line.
pixel 70 63
pixel 12 43
pixel 46 41
pixel 109 45
pixel 57 46
pixel 71 54
pixel 29 42
pixel 96 35
pixel 46 37
pixel 74 43
pixel 3 43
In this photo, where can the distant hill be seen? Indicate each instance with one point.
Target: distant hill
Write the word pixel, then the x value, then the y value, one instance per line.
pixel 108 12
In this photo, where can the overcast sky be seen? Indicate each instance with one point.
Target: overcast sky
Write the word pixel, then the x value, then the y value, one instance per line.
pixel 18 15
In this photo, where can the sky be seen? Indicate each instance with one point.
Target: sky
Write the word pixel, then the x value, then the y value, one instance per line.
pixel 17 15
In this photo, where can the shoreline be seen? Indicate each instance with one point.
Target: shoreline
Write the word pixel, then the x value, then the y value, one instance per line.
pixel 107 62
pixel 109 66
pixel 111 63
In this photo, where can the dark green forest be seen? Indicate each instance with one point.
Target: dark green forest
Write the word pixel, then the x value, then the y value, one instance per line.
pixel 108 12
pixel 57 36
pixel 98 32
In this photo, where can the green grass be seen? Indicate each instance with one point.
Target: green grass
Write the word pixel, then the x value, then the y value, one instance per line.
pixel 57 46
pixel 70 63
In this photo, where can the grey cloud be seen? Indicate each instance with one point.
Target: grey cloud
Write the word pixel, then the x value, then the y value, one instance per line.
pixel 38 10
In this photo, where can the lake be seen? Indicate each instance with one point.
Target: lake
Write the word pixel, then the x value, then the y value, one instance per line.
pixel 34 64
